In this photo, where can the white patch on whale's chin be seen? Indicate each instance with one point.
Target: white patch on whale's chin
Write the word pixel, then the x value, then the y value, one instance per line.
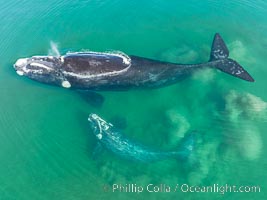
pixel 66 84
pixel 20 73
pixel 99 136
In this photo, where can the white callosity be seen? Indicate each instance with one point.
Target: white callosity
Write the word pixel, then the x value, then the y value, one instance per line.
pixel 21 62
pixel 66 84
pixel 125 59
pixel 21 73
pixel 40 65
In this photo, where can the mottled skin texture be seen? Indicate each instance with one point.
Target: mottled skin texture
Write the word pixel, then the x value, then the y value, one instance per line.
pixel 111 139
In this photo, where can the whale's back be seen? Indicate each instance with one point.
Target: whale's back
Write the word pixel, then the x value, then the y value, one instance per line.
pixel 94 63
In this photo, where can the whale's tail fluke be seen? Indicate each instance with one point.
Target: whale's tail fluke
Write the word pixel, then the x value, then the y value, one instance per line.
pixel 219 59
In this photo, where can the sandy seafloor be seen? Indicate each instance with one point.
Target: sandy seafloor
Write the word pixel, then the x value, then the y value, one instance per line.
pixel 45 142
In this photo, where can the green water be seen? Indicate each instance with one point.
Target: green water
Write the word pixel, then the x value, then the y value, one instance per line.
pixel 45 142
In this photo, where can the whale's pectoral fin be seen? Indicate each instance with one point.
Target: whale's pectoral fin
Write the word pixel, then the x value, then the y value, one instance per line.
pixel 219 59
pixel 119 122
pixel 93 98
pixel 97 151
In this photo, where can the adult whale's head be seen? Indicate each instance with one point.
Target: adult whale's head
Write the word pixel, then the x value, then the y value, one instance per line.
pixel 44 69
pixel 76 70
pixel 99 126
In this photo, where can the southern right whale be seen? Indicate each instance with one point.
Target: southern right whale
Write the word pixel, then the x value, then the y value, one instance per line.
pixel 115 71
pixel 110 138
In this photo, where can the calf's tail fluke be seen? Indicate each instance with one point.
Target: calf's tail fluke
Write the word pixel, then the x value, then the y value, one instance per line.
pixel 219 59
pixel 187 146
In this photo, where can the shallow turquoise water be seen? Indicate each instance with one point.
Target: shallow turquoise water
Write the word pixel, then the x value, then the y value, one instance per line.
pixel 46 144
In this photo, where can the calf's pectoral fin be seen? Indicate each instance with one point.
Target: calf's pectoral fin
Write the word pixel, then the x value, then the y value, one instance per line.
pixel 98 150
pixel 120 122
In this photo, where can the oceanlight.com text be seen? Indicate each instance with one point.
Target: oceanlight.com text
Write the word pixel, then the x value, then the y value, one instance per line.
pixel 221 189
pixel 183 188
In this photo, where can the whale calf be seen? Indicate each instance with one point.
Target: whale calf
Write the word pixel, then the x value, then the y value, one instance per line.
pixel 110 138
pixel 117 71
